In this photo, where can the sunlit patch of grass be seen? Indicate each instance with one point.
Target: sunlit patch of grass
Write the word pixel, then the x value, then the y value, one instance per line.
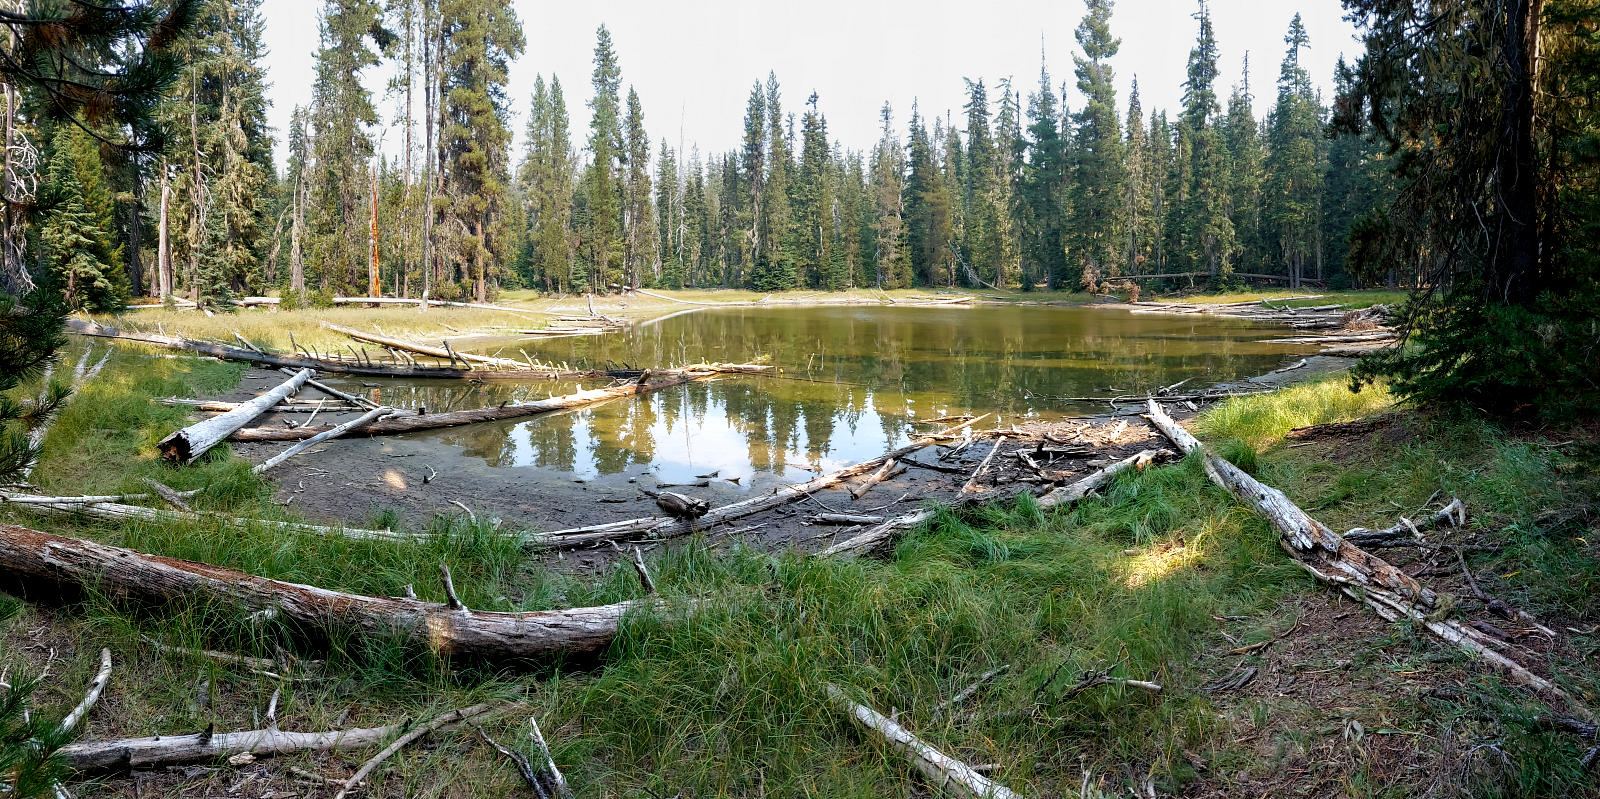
pixel 1261 421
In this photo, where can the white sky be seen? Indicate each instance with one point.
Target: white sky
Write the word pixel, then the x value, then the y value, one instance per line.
pixel 693 63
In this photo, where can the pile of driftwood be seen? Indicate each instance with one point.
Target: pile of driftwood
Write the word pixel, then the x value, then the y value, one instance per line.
pixel 1341 332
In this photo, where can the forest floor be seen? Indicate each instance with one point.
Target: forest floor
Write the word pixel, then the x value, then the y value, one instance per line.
pixel 1165 578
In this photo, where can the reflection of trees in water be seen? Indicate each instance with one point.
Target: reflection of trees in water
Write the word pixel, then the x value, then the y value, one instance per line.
pixel 842 365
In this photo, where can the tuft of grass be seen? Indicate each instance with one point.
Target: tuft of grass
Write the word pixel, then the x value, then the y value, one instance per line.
pixel 1264 419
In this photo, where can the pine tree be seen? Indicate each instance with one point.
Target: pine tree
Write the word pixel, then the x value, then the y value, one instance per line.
pixel 1139 217
pixel 1044 181
pixel 341 114
pixel 982 197
pixel 480 38
pixel 888 194
pixel 640 248
pixel 601 188
pixel 813 203
pixel 669 219
pixel 1242 137
pixel 1092 235
pixel 1208 238
pixel 774 265
pixel 75 237
pixel 1294 168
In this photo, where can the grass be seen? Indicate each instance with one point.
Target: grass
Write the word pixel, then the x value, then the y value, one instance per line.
pixel 728 701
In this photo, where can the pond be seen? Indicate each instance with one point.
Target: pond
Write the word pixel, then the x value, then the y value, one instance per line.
pixel 853 382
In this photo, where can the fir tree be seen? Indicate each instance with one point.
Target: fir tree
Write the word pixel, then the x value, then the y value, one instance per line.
pixel 888 195
pixel 1242 137
pixel 1044 181
pixel 639 230
pixel 76 233
pixel 1097 169
pixel 601 188
pixel 342 112
pixel 1294 170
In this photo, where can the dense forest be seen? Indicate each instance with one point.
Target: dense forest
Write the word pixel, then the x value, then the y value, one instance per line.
pixel 1018 188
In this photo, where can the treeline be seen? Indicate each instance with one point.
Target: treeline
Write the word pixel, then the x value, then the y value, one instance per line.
pixel 1016 190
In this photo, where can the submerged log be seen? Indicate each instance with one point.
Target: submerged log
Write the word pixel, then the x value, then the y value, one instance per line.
pixel 1360 575
pixel 74 566
pixel 944 771
pixel 190 443
pixel 666 527
pixel 412 422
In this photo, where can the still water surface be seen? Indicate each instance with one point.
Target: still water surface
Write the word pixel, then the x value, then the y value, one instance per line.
pixel 853 381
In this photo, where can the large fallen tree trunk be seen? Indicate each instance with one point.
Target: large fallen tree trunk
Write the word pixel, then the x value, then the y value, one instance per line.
pixel 1360 575
pixel 667 526
pixel 412 422
pixel 167 750
pixel 185 445
pixel 73 566
pixel 424 349
pixel 944 771
pixel 335 432
pixel 879 536
pixel 338 366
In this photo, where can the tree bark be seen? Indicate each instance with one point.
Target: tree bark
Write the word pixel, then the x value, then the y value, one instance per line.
pixel 73 566
pixel 188 444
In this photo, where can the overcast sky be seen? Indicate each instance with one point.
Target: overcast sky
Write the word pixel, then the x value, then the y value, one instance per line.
pixel 693 63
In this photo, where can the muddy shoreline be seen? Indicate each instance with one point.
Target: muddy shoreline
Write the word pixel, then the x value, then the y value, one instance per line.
pixel 408 480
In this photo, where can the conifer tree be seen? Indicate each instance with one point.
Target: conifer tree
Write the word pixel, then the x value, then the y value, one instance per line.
pixel 342 113
pixel 669 219
pixel 480 38
pixel 813 204
pixel 640 249
pixel 1208 238
pixel 1097 169
pixel 1139 218
pixel 774 265
pixel 1242 137
pixel 982 197
pixel 602 188
pixel 75 237
pixel 1044 182
pixel 1294 170
pixel 888 197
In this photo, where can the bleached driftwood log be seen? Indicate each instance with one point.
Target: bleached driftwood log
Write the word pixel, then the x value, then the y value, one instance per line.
pixel 945 772
pixel 68 565
pixel 667 526
pixel 185 445
pixel 879 536
pixel 164 750
pixel 330 433
pixel 1360 575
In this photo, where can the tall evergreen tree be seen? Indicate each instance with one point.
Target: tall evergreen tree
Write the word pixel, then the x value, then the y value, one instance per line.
pixel 1242 137
pixel 1294 169
pixel 75 237
pixel 888 198
pixel 669 219
pixel 1093 239
pixel 813 203
pixel 1043 187
pixel 984 212
pixel 774 265
pixel 1139 217
pixel 602 187
pixel 639 232
pixel 342 112
pixel 1208 239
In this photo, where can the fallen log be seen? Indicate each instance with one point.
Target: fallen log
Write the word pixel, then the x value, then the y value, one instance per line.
pixel 166 750
pixel 337 366
pixel 188 444
pixel 944 771
pixel 325 435
pixel 1454 515
pixel 112 511
pixel 666 527
pixel 876 537
pixel 883 473
pixel 289 406
pixel 1360 575
pixel 408 423
pixel 73 566
pixel 1354 338
pixel 424 349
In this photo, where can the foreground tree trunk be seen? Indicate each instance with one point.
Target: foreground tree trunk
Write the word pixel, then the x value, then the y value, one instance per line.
pixel 31 561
